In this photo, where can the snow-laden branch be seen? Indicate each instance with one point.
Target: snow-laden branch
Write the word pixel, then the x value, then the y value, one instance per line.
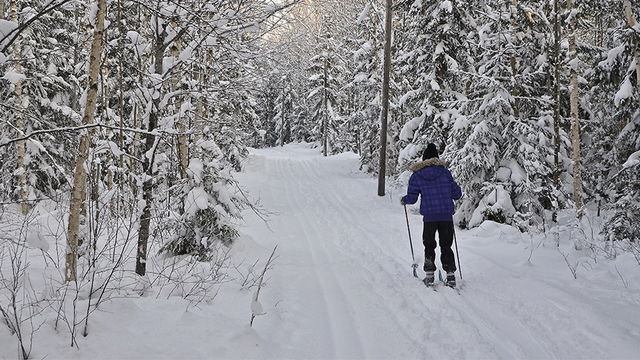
pixel 13 34
pixel 6 141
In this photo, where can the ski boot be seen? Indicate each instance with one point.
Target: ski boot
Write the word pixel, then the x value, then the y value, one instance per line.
pixel 428 280
pixel 451 280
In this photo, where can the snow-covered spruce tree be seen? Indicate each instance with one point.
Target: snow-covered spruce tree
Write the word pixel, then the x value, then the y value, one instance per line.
pixel 269 73
pixel 606 72
pixel 300 123
pixel 209 204
pixel 364 87
pixel 230 117
pixel 623 224
pixel 616 131
pixel 284 110
pixel 434 57
pixel 501 147
pixel 476 153
pixel 513 78
pixel 323 95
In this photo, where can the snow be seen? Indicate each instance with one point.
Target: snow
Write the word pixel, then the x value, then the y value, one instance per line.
pixel 517 173
pixel 632 161
pixel 256 306
pixel 447 6
pixel 612 57
pixel 364 15
pixel 410 127
pixel 495 201
pixel 341 286
pixel 197 199
pixel 195 170
pixel 625 91
pixel 13 77
pixel 6 27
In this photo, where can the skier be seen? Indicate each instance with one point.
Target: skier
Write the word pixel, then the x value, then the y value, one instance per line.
pixel 434 182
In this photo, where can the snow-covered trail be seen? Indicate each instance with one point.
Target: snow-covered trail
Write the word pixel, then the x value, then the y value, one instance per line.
pixel 342 289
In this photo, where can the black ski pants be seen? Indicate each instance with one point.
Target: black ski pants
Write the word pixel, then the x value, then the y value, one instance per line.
pixel 445 235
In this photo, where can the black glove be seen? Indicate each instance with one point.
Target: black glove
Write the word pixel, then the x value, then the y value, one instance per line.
pixel 402 201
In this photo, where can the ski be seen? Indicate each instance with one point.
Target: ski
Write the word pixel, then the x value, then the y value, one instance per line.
pixel 438 283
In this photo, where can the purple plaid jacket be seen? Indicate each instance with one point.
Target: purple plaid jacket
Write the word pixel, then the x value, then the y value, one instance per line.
pixel 437 188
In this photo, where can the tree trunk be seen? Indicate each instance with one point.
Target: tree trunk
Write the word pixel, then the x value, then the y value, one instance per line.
pixel 121 163
pixel 575 115
pixel 556 107
pixel 149 154
pixel 513 61
pixel 183 147
pixel 19 120
pixel 385 101
pixel 160 45
pixel 282 117
pixel 628 13
pixel 325 120
pixel 80 175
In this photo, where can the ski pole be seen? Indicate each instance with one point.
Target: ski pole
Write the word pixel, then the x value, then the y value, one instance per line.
pixel 455 241
pixel 414 265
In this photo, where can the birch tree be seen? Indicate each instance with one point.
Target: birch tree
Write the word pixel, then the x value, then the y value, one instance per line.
pixel 21 170
pixel 78 190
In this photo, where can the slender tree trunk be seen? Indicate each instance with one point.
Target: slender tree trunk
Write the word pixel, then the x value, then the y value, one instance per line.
pixel 120 179
pixel 556 107
pixel 325 120
pixel 282 117
pixel 628 13
pixel 160 45
pixel 19 120
pixel 183 147
pixel 80 175
pixel 513 61
pixel 575 115
pixel 201 106
pixel 385 101
pixel 149 151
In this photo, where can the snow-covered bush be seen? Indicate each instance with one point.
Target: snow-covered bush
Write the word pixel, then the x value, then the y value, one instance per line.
pixel 207 205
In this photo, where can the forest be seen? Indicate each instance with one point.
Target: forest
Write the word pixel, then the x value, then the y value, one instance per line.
pixel 124 125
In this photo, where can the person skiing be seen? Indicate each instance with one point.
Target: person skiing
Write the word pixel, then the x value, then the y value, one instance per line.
pixel 437 189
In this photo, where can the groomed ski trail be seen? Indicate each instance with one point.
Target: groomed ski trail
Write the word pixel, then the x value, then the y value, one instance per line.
pixel 342 286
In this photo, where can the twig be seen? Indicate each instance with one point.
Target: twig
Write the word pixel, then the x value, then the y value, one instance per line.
pixel 255 299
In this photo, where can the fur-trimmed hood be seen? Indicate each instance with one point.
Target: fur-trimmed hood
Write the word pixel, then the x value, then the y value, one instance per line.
pixel 429 162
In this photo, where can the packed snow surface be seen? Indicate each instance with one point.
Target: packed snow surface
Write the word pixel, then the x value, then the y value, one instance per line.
pixel 341 287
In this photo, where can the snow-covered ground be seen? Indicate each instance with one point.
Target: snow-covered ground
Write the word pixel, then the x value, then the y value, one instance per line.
pixel 341 287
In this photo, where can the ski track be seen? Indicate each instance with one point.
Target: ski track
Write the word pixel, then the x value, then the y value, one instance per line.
pixel 344 280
